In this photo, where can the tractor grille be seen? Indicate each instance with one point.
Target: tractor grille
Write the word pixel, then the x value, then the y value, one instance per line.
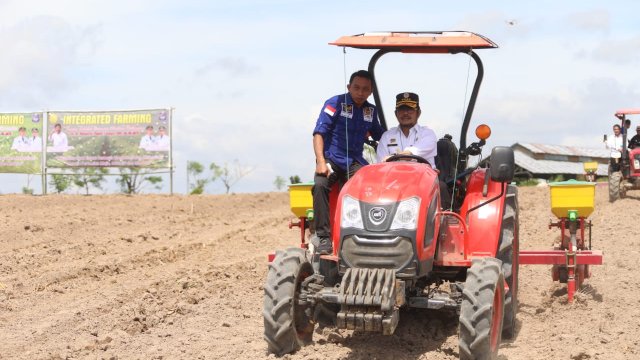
pixel 394 252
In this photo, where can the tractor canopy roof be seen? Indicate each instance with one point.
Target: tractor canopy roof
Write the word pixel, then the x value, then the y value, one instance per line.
pixel 417 42
pixel 630 111
pixel 423 42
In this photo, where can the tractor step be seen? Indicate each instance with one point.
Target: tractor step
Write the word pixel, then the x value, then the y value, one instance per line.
pixel 434 303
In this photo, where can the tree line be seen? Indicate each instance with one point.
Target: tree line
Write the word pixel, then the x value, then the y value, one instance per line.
pixel 134 180
pixel 130 180
pixel 229 174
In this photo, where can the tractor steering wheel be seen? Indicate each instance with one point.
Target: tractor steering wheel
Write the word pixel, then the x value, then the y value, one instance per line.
pixel 398 157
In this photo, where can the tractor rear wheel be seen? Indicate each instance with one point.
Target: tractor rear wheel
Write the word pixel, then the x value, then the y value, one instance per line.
pixel 508 252
pixel 615 181
pixel 482 310
pixel 287 326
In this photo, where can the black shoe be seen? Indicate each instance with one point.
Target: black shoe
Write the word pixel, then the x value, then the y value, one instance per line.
pixel 322 245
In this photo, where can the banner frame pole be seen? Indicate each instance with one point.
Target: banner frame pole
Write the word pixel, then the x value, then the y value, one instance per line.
pixel 44 181
pixel 43 153
pixel 171 151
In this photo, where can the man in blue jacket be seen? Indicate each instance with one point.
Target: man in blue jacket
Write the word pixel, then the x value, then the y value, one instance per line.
pixel 338 140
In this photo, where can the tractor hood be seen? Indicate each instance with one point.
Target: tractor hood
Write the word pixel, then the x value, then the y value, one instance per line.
pixel 391 182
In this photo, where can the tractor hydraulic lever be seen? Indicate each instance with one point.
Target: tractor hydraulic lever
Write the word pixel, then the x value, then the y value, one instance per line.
pixel 475 148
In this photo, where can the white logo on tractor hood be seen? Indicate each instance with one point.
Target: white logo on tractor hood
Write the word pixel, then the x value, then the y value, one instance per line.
pixel 377 215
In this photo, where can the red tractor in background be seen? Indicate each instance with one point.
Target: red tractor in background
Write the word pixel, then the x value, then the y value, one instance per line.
pixel 627 175
pixel 394 246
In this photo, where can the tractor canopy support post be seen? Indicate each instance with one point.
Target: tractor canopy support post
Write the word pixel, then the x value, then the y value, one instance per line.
pixel 624 159
pixel 462 164
pixel 376 93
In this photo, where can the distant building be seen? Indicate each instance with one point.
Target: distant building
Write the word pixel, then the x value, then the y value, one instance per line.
pixel 543 161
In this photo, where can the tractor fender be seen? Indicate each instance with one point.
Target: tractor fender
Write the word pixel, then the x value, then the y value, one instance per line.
pixel 483 223
pixel 634 168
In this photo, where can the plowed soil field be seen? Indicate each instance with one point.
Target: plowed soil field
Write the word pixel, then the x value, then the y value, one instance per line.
pixel 177 277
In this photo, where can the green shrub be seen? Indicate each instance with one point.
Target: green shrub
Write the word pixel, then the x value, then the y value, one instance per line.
pixel 526 182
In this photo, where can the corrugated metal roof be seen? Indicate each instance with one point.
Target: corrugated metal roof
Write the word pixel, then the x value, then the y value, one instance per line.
pixel 565 150
pixel 534 166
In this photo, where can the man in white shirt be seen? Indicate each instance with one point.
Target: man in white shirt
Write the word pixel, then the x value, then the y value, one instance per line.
pixel 35 141
pixel 58 138
pixel 408 137
pixel 148 141
pixel 614 144
pixel 21 142
pixel 162 140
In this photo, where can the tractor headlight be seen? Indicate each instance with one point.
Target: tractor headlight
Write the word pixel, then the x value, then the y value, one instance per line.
pixel 406 214
pixel 351 215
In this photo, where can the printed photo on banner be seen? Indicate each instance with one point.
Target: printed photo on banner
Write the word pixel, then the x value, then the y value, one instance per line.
pixel 138 138
pixel 20 143
pixel 58 140
pixel 153 141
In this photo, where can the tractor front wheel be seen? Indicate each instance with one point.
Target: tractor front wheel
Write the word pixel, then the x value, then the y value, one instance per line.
pixel 615 183
pixel 287 324
pixel 482 310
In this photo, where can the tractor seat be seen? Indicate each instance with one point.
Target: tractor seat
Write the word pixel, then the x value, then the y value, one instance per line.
pixel 446 158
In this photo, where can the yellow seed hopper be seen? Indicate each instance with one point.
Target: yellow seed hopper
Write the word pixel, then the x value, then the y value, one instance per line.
pixel 572 195
pixel 300 199
pixel 591 166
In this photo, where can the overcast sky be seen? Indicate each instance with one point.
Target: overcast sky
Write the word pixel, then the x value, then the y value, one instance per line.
pixel 248 78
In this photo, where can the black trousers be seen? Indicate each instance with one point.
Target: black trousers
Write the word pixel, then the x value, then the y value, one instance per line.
pixel 321 189
pixel 614 165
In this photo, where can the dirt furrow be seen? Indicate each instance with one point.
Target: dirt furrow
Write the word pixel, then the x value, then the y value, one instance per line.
pixel 181 277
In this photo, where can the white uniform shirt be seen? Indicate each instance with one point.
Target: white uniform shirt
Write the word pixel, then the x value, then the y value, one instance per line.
pixel 35 143
pixel 147 142
pixel 421 141
pixel 20 143
pixel 614 143
pixel 162 143
pixel 59 140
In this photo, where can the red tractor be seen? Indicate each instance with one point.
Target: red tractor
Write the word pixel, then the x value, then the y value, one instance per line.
pixel 626 175
pixel 394 246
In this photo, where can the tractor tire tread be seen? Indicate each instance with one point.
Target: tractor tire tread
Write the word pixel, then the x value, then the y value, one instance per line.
pixel 615 179
pixel 507 252
pixel 483 279
pixel 279 328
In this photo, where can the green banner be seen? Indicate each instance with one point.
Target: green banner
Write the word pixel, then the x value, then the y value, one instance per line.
pixel 139 139
pixel 21 143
